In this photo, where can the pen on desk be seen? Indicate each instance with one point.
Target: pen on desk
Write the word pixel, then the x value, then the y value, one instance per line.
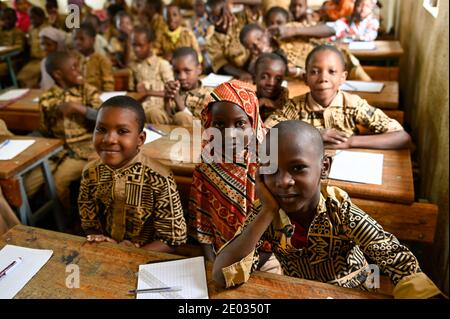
pixel 154 129
pixel 4 143
pixel 160 289
pixel 10 267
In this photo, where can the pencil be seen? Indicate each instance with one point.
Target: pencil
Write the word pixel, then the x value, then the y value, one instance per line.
pixel 160 289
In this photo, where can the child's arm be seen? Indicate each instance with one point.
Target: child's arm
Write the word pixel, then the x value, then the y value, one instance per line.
pixel 317 31
pixel 172 92
pixel 106 72
pixel 242 245
pixel 334 139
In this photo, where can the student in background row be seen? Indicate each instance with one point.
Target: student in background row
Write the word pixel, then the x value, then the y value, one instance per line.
pixel 332 10
pixel 120 49
pixel 126 197
pixel 52 40
pixel 345 120
pixel 10 35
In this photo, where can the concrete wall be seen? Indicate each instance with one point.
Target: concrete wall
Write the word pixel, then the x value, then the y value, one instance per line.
pixel 424 83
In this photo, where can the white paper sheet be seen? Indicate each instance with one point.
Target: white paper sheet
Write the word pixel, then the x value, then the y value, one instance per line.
pixel 189 274
pixel 13 94
pixel 361 46
pixel 32 262
pixel 151 136
pixel 107 95
pixel 357 167
pixel 362 86
pixel 11 148
pixel 214 80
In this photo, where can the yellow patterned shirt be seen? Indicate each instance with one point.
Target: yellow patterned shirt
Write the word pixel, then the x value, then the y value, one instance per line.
pixel 165 46
pixel 75 129
pixel 138 202
pixel 34 42
pixel 14 37
pixel 195 99
pixel 97 71
pixel 339 238
pixel 347 112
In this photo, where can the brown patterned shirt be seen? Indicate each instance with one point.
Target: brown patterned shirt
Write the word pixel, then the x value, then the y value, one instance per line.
pixel 97 71
pixel 164 45
pixel 195 99
pixel 138 202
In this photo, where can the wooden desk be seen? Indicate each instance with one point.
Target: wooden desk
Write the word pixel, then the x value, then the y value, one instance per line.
pixel 387 99
pixel 12 173
pixel 23 114
pixel 384 50
pixel 397 185
pixel 108 271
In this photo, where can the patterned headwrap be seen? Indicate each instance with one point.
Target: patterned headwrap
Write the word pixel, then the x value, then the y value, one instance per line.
pixel 243 95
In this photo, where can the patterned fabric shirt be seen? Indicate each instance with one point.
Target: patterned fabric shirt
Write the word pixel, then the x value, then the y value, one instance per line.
pixel 282 99
pixel 365 30
pixel 347 112
pixel 97 71
pixel 34 42
pixel 75 129
pixel 12 37
pixel 138 202
pixel 164 45
pixel 339 238
pixel 195 99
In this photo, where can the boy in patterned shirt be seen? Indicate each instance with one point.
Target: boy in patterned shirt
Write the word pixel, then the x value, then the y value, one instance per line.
pixel 185 97
pixel 316 232
pixel 126 197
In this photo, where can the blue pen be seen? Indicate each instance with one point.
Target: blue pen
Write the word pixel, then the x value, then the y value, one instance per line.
pixel 154 129
pixel 4 143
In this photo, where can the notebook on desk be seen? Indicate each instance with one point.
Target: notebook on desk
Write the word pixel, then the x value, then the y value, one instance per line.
pixel 11 96
pixel 362 86
pixel 214 80
pixel 362 46
pixel 10 148
pixel 188 275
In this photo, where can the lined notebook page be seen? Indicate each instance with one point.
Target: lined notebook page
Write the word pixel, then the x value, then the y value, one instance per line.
pixel 188 274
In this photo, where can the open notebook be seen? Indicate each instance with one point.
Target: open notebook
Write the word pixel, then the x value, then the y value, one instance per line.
pixel 187 274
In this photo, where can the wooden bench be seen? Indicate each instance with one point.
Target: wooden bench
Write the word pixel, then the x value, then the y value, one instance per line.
pixel 382 73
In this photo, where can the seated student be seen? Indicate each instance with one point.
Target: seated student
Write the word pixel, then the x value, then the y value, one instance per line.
pixel 68 111
pixel 316 232
pixel 150 14
pixel 362 25
pixel 185 96
pixel 340 116
pixel 101 43
pixel 95 67
pixel 174 35
pixel 23 18
pixel 258 40
pixel 202 29
pixel 126 196
pixel 55 19
pixel 301 14
pixel 222 191
pixel 333 10
pixel 30 75
pixel 270 70
pixel 149 74
pixel 120 50
pixel 228 55
pixel 276 16
pixel 52 40
pixel 10 35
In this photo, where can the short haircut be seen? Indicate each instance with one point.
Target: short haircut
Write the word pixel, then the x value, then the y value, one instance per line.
pixel 37 12
pixel 247 29
pixel 270 57
pixel 185 51
pixel 92 19
pixel 113 10
pixel 325 47
pixel 127 102
pixel 55 60
pixel 149 35
pixel 275 10
pixel 88 29
pixel 51 4
pixel 9 12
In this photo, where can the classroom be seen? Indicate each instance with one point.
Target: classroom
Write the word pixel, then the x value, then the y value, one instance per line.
pixel 224 149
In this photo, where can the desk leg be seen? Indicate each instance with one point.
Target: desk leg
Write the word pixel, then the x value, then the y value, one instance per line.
pixel 12 73
pixel 24 209
pixel 57 212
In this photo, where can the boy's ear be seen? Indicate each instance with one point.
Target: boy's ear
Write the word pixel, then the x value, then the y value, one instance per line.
pixel 326 166
pixel 344 76
pixel 142 136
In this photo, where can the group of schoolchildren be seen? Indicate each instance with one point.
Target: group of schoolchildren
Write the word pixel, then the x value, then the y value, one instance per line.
pixel 287 221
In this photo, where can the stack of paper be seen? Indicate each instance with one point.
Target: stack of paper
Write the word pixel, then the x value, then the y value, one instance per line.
pixel 107 95
pixel 187 274
pixel 357 167
pixel 361 46
pixel 362 86
pixel 214 80
pixel 13 94
pixel 11 148
pixel 32 261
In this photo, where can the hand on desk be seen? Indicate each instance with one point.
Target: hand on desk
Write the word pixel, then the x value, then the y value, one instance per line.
pixel 335 139
pixel 103 238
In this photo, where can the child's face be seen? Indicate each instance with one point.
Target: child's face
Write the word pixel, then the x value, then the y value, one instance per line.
pixel 296 183
pixel 324 75
pixel 257 41
pixel 8 21
pixel 364 8
pixel 36 20
pixel 200 8
pixel 83 42
pixel 227 115
pixel 142 47
pixel 277 19
pixel 173 17
pixel 69 72
pixel 298 8
pixel 125 25
pixel 117 138
pixel 48 45
pixel 22 6
pixel 186 71
pixel 269 77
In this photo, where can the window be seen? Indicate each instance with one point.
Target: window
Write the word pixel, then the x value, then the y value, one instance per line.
pixel 432 6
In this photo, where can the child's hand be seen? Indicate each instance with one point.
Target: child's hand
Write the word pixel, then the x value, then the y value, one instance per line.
pixel 128 243
pixel 268 201
pixel 245 77
pixel 140 88
pixel 172 89
pixel 332 137
pixel 69 108
pixel 99 239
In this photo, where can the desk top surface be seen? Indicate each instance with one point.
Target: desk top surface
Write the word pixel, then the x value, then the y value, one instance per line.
pixel 386 99
pixel 384 49
pixel 8 49
pixel 397 168
pixel 37 150
pixel 109 271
